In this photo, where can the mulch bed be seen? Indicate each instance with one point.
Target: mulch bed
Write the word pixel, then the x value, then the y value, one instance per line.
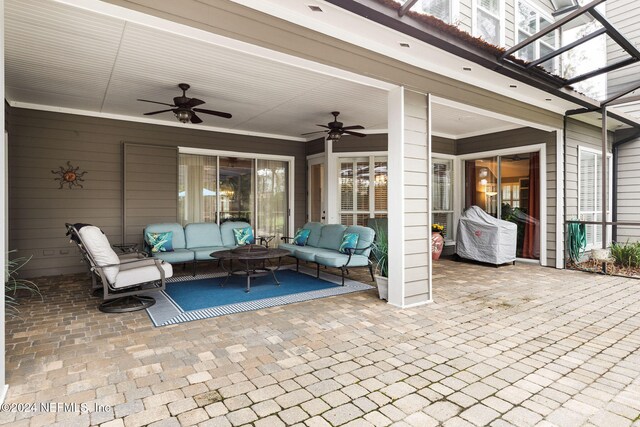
pixel 613 269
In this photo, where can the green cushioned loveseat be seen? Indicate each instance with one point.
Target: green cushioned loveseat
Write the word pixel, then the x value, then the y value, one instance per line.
pixel 195 242
pixel 323 247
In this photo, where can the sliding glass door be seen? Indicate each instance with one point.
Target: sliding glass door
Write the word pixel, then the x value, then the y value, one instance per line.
pixel 511 182
pixel 272 191
pixel 236 189
pixel 481 184
pixel 223 188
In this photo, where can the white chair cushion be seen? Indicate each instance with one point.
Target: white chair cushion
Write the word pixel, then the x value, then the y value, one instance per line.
pixel 98 246
pixel 140 272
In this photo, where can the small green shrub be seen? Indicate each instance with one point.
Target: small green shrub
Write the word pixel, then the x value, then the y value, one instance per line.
pixel 381 251
pixel 627 254
pixel 13 284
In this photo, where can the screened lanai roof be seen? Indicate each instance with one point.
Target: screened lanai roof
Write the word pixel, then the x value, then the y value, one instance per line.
pixel 565 68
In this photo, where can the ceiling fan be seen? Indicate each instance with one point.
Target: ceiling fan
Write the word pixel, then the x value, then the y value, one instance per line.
pixel 184 107
pixel 336 130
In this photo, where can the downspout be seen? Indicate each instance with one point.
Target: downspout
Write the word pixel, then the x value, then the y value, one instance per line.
pixel 614 203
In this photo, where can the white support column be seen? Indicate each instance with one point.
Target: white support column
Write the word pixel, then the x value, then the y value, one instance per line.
pixel 408 199
pixel 395 197
pixel 3 210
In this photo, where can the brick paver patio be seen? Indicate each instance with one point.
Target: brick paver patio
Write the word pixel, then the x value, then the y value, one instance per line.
pixel 519 345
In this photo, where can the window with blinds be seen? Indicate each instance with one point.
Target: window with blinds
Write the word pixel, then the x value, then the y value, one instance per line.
pixel 441 9
pixel 363 189
pixel 442 195
pixel 530 21
pixel 487 21
pixel 590 193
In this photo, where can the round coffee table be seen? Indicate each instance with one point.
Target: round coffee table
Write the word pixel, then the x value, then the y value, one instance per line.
pixel 252 259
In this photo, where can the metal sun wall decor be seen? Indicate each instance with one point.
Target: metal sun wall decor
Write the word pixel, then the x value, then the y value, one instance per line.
pixel 70 176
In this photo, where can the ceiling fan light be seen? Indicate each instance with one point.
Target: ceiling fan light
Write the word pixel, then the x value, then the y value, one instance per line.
pixel 184 116
pixel 334 135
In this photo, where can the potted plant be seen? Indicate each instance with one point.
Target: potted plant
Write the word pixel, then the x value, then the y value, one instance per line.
pixel 13 284
pixel 437 240
pixel 381 254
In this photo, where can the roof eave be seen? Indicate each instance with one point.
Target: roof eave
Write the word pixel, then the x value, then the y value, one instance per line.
pixel 388 17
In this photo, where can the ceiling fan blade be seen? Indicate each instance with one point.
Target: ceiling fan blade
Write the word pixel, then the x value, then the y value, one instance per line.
pixel 215 113
pixel 353 127
pixel 157 112
pixel 156 102
pixel 324 126
pixel 311 133
pixel 195 119
pixel 348 132
pixel 194 102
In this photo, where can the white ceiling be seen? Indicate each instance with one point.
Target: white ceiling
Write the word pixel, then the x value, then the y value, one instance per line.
pixel 59 56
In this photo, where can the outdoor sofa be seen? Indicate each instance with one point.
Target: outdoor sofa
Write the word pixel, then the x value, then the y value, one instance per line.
pixel 323 247
pixel 194 242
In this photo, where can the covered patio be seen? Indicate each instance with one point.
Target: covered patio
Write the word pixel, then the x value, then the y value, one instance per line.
pixel 522 345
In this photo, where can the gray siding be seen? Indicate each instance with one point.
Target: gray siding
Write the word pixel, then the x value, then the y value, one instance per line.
pixel 377 142
pixel 519 138
pixel 41 141
pixel 149 198
pixel 314 147
pixel 373 142
pixel 443 145
pixel 628 194
pixel 623 15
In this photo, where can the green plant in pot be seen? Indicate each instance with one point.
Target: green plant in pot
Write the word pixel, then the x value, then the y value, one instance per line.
pixel 380 252
pixel 14 285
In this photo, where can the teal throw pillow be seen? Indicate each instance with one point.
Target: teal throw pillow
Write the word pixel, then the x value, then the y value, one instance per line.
pixel 349 242
pixel 301 237
pixel 160 242
pixel 244 236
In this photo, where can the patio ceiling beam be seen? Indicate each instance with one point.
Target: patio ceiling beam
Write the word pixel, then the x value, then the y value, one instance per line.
pixel 570 46
pixel 616 35
pixel 573 15
pixel 608 68
pixel 618 98
pixel 405 7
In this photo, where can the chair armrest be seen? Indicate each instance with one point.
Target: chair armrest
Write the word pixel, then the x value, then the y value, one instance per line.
pixel 284 239
pixel 131 261
pixel 361 249
pixel 265 239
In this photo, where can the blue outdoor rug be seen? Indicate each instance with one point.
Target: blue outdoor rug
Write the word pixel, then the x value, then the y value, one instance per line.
pixel 187 298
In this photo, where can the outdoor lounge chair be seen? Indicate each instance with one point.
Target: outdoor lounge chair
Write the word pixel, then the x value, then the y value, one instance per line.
pixel 125 280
